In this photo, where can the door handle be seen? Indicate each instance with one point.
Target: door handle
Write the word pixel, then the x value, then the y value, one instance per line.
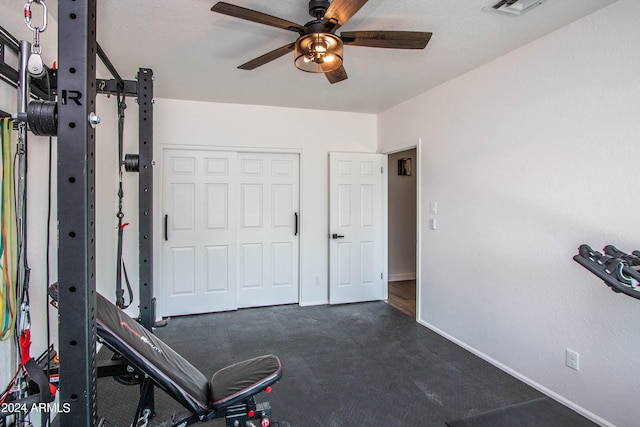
pixel 166 227
pixel 337 236
pixel 295 232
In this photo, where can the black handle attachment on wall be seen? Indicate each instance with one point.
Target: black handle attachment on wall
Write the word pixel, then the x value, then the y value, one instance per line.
pixel 166 227
pixel 614 267
pixel 295 231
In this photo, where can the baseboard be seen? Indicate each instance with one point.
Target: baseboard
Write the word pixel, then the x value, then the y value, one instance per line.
pixel 542 389
pixel 399 277
pixel 312 303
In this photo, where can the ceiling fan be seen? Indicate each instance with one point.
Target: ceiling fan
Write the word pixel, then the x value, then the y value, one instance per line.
pixel 318 49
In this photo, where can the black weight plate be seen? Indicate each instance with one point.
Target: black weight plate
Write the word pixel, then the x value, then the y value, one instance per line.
pixel 34 111
pixel 49 118
pixel 132 162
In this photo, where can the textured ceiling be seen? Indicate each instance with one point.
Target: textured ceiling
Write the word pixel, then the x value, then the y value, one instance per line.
pixel 194 52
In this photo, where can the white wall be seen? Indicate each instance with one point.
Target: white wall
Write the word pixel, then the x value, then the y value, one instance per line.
pixel 402 218
pixel 528 157
pixel 310 132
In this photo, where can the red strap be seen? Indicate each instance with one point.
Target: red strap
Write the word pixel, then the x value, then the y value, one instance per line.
pixel 25 346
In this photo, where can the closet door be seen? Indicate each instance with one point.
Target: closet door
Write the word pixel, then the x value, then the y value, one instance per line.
pixel 229 230
pixel 199 232
pixel 268 238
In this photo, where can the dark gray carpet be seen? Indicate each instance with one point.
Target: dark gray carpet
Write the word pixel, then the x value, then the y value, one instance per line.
pixel 535 413
pixel 350 365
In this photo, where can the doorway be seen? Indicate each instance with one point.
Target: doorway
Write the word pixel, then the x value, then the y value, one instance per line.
pixel 402 230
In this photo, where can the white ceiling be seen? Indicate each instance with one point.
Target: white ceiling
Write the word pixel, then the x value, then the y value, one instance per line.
pixel 194 52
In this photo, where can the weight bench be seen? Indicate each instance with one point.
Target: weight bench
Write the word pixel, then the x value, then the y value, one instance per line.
pixel 230 392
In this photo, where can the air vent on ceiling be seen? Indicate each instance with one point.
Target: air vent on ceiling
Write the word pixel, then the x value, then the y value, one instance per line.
pixel 513 7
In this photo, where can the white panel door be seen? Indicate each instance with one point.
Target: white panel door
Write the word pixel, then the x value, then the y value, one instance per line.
pixel 231 232
pixel 355 227
pixel 199 232
pixel 268 229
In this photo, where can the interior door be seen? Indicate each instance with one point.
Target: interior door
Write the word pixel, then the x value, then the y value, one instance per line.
pixel 199 242
pixel 356 263
pixel 268 229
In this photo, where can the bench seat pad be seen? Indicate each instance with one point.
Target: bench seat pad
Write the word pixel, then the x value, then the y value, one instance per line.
pixel 243 379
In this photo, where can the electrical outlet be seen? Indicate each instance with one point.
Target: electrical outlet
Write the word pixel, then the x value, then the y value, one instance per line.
pixel 572 359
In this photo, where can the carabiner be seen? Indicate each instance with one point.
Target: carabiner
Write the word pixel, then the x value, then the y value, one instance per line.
pixel 143 421
pixel 27 15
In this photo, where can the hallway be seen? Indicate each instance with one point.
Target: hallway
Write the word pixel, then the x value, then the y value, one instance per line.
pixel 402 296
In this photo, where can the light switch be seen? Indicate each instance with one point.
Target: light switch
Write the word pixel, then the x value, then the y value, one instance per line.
pixel 432 223
pixel 434 207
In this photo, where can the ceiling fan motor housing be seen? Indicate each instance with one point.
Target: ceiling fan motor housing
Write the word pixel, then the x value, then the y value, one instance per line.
pixel 317 8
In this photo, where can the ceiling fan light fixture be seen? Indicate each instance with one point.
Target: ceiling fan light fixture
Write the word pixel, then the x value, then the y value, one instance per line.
pixel 318 53
pixel 319 46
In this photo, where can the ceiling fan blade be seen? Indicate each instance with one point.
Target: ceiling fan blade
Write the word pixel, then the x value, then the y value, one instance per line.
pixel 340 11
pixel 255 16
pixel 387 39
pixel 267 57
pixel 337 75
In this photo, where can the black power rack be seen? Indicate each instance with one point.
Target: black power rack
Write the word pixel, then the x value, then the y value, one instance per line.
pixel 75 86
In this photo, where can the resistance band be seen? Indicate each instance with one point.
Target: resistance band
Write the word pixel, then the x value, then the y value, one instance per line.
pixel 120 266
pixel 8 296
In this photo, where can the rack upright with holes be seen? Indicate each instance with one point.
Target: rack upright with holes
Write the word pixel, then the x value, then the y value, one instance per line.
pixel 76 211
